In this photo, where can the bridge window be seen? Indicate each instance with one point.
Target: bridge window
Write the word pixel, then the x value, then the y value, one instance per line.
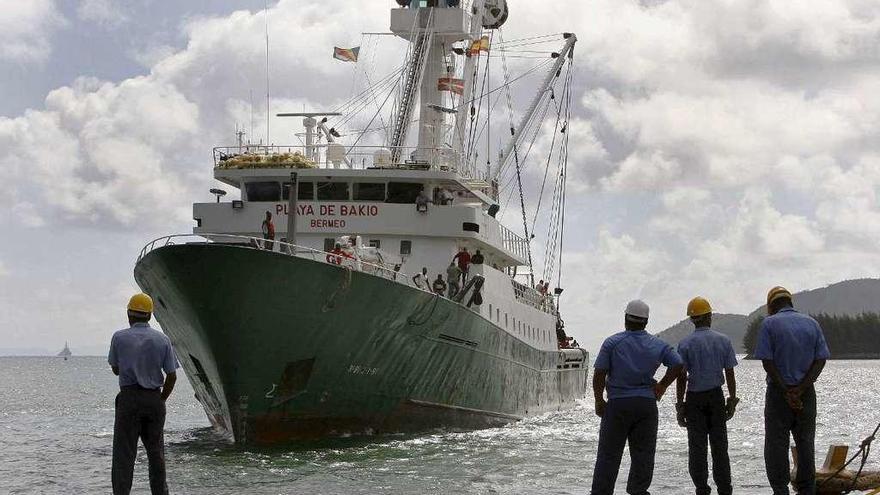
pixel 403 192
pixel 332 191
pixel 406 247
pixel 470 227
pixel 263 191
pixel 305 190
pixel 329 244
pixel 375 243
pixel 369 191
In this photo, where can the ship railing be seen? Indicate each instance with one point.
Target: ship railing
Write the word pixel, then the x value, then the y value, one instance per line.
pixel 530 296
pixel 334 155
pixel 513 242
pixel 278 247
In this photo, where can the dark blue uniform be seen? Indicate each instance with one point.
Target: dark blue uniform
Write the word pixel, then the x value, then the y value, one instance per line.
pixel 631 359
pixel 792 341
pixel 706 354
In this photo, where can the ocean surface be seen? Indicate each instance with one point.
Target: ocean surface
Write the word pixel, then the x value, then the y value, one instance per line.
pixel 56 424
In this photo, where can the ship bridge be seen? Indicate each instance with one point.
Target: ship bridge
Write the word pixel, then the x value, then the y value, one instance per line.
pixel 367 196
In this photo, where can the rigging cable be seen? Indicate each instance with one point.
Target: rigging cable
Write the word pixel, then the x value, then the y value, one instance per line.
pixel 565 167
pixel 557 209
pixel 374 117
pixel 549 157
pixel 522 200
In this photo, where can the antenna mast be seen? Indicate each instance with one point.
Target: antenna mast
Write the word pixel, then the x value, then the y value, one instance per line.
pixel 266 11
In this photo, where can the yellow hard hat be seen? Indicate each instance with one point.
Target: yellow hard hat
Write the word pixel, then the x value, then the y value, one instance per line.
pixel 698 306
pixel 777 292
pixel 141 303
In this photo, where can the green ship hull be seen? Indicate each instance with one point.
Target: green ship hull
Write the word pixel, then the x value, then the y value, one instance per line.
pixel 280 348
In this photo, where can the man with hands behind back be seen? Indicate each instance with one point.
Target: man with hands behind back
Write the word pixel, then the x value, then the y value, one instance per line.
pixel 625 366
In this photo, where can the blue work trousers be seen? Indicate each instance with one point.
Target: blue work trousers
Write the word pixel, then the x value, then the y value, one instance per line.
pixel 140 415
pixel 630 420
pixel 707 427
pixel 780 424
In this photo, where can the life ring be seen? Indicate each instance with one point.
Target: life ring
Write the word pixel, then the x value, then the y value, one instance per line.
pixel 333 259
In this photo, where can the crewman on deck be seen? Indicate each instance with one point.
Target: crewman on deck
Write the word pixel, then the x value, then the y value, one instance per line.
pixel 793 350
pixel 708 357
pixel 268 228
pixel 464 262
pixel 139 355
pixel 420 279
pixel 452 275
pixel 625 367
pixel 477 258
pixel 439 285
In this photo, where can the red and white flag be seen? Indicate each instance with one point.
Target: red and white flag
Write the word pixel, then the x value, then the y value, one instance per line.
pixel 451 84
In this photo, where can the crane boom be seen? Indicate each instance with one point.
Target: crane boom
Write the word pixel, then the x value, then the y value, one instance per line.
pixel 517 133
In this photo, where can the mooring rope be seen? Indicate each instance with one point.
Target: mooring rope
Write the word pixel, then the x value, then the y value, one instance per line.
pixel 864 451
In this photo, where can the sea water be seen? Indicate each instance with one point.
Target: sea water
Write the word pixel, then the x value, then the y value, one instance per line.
pixel 56 424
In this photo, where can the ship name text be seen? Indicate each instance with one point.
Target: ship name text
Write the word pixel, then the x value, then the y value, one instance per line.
pixel 328 215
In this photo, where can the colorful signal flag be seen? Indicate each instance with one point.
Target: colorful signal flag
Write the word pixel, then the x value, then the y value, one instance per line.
pixel 346 54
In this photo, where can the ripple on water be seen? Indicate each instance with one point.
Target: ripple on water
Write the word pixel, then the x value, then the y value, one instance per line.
pixel 57 433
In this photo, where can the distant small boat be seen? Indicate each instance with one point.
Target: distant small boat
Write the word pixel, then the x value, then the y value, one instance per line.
pixel 65 353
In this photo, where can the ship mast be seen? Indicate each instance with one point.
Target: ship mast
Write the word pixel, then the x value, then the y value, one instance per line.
pixel 431 31
pixel 462 115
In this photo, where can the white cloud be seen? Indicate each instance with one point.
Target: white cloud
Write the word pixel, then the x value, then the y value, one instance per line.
pixel 26 29
pixel 101 152
pixel 108 13
pixel 109 153
pixel 151 54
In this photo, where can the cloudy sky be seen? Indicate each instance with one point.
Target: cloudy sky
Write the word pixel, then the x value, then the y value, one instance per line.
pixel 719 147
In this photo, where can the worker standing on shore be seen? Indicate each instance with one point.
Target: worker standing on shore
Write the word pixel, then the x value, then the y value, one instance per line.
pixel 708 357
pixel 625 367
pixel 793 350
pixel 139 355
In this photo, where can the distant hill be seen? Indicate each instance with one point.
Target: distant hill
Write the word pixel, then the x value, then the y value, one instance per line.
pixel 732 325
pixel 850 297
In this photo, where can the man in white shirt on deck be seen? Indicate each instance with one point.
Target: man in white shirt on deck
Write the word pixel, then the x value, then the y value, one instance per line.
pixel 421 279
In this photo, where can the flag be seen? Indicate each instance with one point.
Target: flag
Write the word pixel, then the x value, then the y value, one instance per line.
pixel 450 84
pixel 479 45
pixel 346 54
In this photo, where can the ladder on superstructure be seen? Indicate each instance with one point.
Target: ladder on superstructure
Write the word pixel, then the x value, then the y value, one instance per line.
pixel 411 82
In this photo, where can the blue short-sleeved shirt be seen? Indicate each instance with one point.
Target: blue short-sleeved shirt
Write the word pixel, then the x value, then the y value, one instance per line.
pixel 792 341
pixel 142 354
pixel 631 359
pixel 706 353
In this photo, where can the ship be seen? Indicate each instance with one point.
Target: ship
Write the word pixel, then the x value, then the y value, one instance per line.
pixel 326 327
pixel 65 353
